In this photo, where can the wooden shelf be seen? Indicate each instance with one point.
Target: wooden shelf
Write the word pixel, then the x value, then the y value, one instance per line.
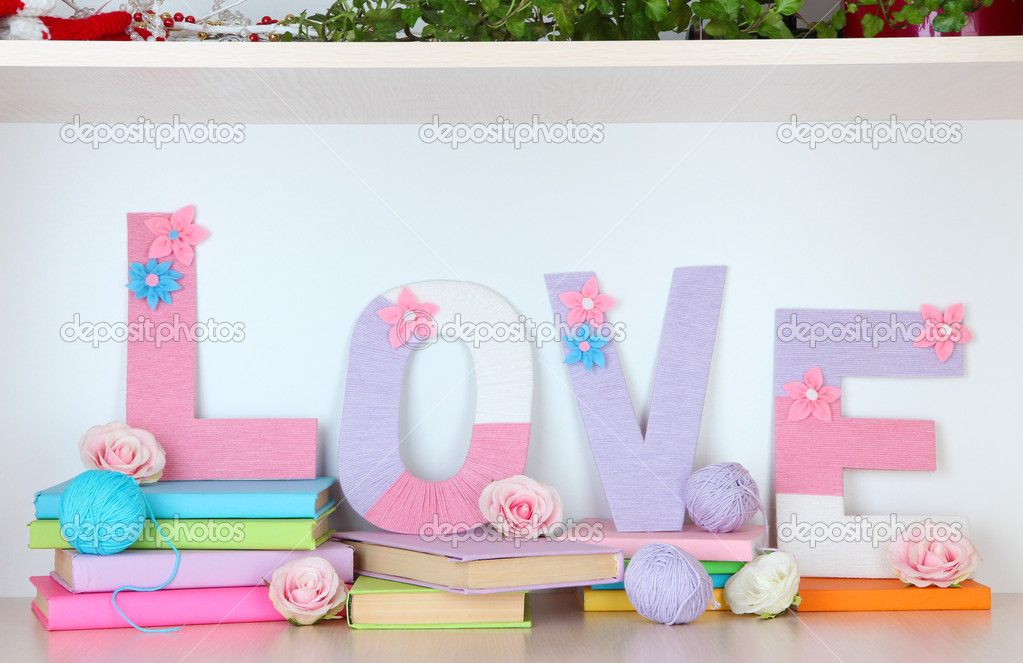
pixel 670 81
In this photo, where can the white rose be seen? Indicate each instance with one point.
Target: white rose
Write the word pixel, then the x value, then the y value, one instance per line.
pixel 766 586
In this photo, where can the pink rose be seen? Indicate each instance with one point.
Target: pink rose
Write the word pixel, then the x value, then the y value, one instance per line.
pixel 120 448
pixel 307 590
pixel 931 562
pixel 520 506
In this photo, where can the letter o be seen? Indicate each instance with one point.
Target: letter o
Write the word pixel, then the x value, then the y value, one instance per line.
pixel 373 478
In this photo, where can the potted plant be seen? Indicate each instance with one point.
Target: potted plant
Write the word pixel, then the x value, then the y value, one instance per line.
pixel 932 18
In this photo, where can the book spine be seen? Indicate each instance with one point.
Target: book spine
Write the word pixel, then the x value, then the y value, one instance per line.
pixel 203 506
pixel 198 568
pixel 177 607
pixel 212 534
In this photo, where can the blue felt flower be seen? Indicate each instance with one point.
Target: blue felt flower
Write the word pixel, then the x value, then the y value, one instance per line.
pixel 153 281
pixel 584 344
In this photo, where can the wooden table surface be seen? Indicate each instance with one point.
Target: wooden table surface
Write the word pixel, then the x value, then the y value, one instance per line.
pixel 561 632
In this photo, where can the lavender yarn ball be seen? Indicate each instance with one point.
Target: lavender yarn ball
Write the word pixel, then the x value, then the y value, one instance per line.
pixel 668 585
pixel 722 497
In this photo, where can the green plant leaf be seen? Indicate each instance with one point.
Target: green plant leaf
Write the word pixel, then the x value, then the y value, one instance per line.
pixel 751 11
pixel 950 22
pixel 871 25
pixel 516 26
pixel 788 7
pixel 825 31
pixel 909 14
pixel 838 20
pixel 656 10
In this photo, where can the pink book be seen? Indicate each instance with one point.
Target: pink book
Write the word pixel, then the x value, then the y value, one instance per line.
pixel 78 572
pixel 60 610
pixel 482 562
pixel 738 546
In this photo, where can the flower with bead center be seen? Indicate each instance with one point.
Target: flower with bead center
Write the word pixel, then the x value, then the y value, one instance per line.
pixel 811 396
pixel 153 281
pixel 584 346
pixel 942 330
pixel 586 304
pixel 176 234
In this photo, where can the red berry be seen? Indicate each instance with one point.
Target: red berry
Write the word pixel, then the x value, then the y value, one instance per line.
pixel 274 21
pixel 168 23
pixel 266 20
pixel 179 17
pixel 253 37
pixel 189 19
pixel 160 39
pixel 137 17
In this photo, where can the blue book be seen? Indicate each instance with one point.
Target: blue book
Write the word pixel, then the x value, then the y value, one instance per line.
pixel 291 498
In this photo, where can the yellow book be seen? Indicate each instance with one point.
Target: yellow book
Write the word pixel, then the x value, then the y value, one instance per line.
pixel 615 600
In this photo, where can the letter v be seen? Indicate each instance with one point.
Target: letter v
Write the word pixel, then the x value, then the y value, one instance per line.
pixel 644 477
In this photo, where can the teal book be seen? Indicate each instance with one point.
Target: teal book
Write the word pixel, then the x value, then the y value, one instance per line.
pixel 228 500
pixel 375 603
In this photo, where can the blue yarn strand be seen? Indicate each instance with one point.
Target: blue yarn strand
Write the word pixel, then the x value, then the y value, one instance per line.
pixel 174 572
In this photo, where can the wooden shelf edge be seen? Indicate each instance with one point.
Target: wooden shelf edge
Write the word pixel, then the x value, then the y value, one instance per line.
pixel 512 55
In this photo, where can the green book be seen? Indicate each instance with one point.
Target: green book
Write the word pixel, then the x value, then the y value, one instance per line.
pixel 713 568
pixel 375 603
pixel 209 534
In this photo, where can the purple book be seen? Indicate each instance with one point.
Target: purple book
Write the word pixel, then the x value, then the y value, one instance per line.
pixel 80 573
pixel 481 562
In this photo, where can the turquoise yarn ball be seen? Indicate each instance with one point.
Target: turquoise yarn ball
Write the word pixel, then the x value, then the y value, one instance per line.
pixel 102 512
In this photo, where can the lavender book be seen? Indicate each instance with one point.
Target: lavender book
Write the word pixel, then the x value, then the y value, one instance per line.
pixel 80 573
pixel 481 562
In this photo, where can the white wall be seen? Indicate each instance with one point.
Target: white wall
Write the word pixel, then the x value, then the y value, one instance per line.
pixel 309 223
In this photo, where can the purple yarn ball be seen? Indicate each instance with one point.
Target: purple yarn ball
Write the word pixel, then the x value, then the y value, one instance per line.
pixel 668 585
pixel 722 497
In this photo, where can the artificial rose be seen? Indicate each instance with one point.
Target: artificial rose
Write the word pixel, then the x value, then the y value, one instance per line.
pixel 118 447
pixel 766 586
pixel 931 562
pixel 522 507
pixel 307 590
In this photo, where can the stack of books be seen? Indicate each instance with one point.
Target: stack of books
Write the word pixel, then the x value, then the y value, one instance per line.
pixel 720 554
pixel 474 580
pixel 231 536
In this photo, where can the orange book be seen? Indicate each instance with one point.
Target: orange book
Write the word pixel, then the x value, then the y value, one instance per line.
pixel 857 594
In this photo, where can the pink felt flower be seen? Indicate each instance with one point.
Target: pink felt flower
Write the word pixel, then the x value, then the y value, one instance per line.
pixel 307 590
pixel 411 321
pixel 811 396
pixel 521 507
pixel 120 448
pixel 932 562
pixel 942 330
pixel 586 305
pixel 176 235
